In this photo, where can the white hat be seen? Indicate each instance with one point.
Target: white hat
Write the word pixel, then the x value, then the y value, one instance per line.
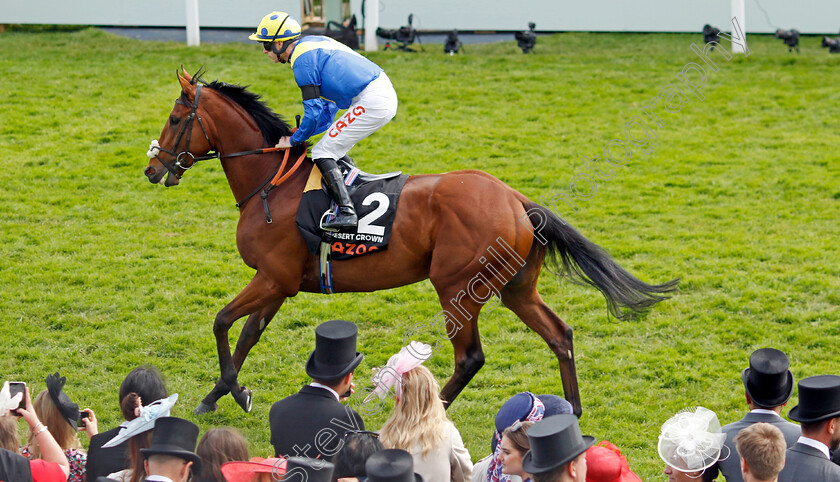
pixel 691 440
pixel 145 422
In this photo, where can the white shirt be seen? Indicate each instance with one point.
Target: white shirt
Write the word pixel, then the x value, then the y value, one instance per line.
pixel 816 444
pixel 335 394
pixel 765 412
pixel 158 478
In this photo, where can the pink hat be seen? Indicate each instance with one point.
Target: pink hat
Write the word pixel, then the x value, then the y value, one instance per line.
pixel 241 471
pixel 604 463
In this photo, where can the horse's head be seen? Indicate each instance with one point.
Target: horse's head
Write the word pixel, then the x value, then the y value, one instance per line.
pixel 184 138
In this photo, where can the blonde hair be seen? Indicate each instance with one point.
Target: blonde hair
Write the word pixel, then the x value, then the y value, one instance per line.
pixel 59 427
pixel 8 433
pixel 763 447
pixel 419 417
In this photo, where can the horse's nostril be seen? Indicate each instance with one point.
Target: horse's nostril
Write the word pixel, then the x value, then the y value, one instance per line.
pixel 150 171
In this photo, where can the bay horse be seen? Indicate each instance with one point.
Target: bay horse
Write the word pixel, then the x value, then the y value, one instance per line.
pixel 444 228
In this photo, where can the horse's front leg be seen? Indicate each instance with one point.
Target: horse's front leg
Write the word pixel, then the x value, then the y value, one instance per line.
pixel 261 300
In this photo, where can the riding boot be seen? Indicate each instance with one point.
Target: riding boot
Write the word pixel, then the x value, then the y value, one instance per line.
pixel 345 216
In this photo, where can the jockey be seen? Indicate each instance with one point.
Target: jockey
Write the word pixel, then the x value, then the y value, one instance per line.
pixel 331 76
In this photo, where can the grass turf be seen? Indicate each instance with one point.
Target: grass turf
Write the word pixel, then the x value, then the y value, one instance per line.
pixel 103 271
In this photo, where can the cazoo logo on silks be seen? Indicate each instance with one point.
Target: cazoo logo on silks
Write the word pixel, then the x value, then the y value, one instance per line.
pixel 350 116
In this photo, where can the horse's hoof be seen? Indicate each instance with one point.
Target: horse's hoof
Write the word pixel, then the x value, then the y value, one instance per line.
pixel 243 398
pixel 204 408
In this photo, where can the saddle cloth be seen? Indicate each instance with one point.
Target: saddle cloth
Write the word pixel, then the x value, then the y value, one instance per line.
pixel 375 198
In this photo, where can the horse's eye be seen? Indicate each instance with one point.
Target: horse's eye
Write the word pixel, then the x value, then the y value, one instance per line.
pixel 173 121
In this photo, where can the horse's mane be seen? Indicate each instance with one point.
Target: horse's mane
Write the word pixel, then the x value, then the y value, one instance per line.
pixel 272 126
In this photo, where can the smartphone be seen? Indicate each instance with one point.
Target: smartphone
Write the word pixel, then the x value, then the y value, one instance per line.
pixel 347 393
pixel 18 387
pixel 82 417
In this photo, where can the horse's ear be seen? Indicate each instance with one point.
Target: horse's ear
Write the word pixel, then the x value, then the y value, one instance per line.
pixel 186 83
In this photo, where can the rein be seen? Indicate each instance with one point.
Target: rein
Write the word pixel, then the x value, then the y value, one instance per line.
pixel 181 163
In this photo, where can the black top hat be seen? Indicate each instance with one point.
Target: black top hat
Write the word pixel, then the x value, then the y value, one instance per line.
pixel 768 381
pixel 555 441
pixel 335 352
pixel 391 465
pixel 177 437
pixel 309 470
pixel 68 409
pixel 819 399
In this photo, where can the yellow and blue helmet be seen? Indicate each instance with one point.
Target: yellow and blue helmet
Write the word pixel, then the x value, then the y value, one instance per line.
pixel 276 27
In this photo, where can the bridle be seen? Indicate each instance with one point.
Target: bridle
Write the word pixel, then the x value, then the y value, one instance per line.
pixel 183 164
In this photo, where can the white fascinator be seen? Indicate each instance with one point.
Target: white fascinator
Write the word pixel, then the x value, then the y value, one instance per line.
pixel 390 375
pixel 691 440
pixel 7 401
pixel 145 422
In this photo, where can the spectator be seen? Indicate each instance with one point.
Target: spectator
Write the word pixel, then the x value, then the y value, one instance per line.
pixel 146 383
pixel 52 467
pixel 317 406
pixel 59 413
pixel 350 460
pixel 524 406
pixel 217 446
pixel 391 465
pixel 689 443
pixel 768 385
pixel 514 445
pixel 558 450
pixel 818 413
pixel 605 463
pixel 762 452
pixel 419 424
pixel 171 456
pixel 139 432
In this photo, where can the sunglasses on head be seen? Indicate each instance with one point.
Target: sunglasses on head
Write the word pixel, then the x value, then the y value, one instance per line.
pixel 357 432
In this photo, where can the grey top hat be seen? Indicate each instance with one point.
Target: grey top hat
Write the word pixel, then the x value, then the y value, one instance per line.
pixel 555 441
pixel 335 352
pixel 175 436
pixel 309 470
pixel 819 399
pixel 391 465
pixel 768 381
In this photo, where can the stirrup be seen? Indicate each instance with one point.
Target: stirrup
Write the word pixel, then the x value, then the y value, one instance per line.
pixel 324 216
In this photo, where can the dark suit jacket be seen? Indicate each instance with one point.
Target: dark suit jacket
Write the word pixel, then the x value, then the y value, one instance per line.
pixel 807 464
pixel 835 457
pixel 730 467
pixel 101 462
pixel 309 423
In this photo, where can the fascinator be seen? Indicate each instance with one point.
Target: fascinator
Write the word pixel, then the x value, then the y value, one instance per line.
pixel 145 422
pixel 390 375
pixel 691 440
pixel 7 401
pixel 68 409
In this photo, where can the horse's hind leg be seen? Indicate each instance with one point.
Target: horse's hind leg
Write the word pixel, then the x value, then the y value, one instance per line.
pixel 252 330
pixel 520 296
pixel 259 295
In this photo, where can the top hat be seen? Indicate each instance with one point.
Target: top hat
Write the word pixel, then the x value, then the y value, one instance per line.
pixel 308 470
pixel 177 437
pixel 819 399
pixel 243 471
pixel 335 352
pixel 767 380
pixel 555 441
pixel 391 465
pixel 68 409
pixel 605 463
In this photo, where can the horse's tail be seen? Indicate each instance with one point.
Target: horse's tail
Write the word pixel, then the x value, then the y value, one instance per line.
pixel 586 262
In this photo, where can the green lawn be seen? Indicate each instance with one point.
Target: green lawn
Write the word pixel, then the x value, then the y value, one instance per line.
pixel 103 271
